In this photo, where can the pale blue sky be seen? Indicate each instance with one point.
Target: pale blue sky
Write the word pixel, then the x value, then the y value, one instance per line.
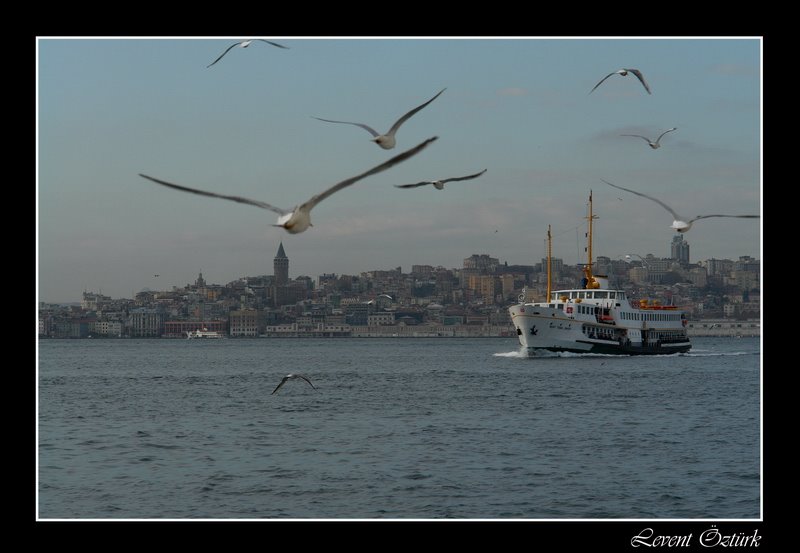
pixel 109 109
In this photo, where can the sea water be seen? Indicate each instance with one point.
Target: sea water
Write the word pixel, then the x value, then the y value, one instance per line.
pixel 403 428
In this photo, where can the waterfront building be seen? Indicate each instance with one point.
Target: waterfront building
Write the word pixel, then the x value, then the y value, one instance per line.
pixel 144 322
pixel 245 322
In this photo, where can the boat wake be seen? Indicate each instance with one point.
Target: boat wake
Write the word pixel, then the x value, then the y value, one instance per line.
pixel 718 353
pixel 544 354
pixel 513 354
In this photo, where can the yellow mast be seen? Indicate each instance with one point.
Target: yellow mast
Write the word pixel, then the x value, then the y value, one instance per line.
pixel 549 255
pixel 589 264
pixel 590 281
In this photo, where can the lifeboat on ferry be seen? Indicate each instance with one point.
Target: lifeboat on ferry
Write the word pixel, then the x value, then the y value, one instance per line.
pixel 605 317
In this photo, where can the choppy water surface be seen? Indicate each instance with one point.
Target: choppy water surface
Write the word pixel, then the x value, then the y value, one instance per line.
pixel 397 428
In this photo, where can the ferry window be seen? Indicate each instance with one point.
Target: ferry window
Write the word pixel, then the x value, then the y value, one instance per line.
pixel 601 294
pixel 612 295
pixel 581 294
pixel 561 306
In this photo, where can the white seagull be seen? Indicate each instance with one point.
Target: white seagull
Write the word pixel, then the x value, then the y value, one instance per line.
pixel 288 376
pixel 655 144
pixel 439 184
pixel 624 73
pixel 299 219
pixel 386 141
pixel 245 44
pixel 679 224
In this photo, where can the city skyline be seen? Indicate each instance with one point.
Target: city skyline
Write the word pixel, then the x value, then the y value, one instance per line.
pixel 110 109
pixel 282 274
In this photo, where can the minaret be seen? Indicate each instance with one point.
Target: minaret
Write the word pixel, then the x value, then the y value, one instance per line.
pixel 281 267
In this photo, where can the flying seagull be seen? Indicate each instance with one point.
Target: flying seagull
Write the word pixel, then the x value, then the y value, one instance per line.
pixel 655 144
pixel 439 184
pixel 245 44
pixel 385 141
pixel 679 224
pixel 299 219
pixel 288 376
pixel 624 72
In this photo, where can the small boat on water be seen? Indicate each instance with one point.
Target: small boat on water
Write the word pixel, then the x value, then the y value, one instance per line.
pixel 597 319
pixel 203 333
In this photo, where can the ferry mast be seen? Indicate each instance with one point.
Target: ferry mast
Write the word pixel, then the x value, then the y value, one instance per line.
pixel 587 271
pixel 549 256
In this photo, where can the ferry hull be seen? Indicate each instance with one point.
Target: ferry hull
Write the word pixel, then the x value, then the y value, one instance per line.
pixel 550 332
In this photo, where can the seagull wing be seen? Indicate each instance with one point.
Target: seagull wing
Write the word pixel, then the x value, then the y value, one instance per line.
pixel 306 379
pixel 239 199
pixel 423 183
pixel 283 381
pixel 273 43
pixel 369 129
pixel 659 202
pixel 639 136
pixel 223 54
pixel 468 177
pixel 739 216
pixel 641 78
pixel 665 132
pixel 382 167
pixel 405 118
pixel 603 79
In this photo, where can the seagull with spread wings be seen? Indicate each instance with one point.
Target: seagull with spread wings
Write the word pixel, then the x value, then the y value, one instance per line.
pixel 298 219
pixel 652 144
pixel 624 73
pixel 290 377
pixel 385 141
pixel 679 224
pixel 439 184
pixel 245 44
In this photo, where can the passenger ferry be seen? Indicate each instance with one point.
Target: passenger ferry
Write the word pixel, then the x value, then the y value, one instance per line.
pixel 598 319
pixel 203 333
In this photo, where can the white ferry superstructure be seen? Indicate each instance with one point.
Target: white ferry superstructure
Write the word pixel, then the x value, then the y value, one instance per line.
pixel 598 319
